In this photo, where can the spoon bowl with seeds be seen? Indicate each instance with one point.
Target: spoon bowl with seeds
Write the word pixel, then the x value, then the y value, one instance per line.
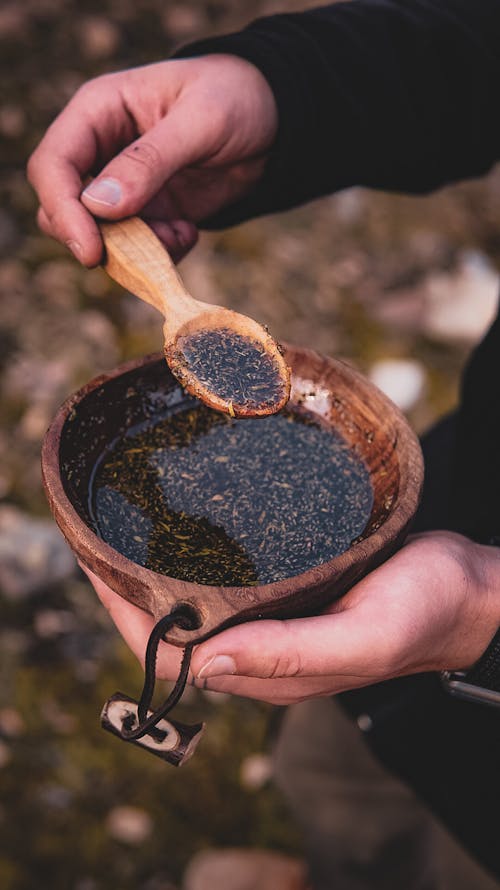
pixel 225 359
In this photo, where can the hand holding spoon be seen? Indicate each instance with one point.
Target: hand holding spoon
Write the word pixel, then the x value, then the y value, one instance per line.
pixel 226 359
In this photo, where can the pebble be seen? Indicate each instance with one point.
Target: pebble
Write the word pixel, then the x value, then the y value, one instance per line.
pixel 348 205
pixel 33 554
pixel 99 38
pixel 181 21
pixel 59 720
pixel 12 723
pixel 240 869
pixel 57 797
pixel 256 771
pixel 130 825
pixel 460 305
pixel 14 22
pixel 402 380
pixel 36 380
pixel 12 121
pixel 50 623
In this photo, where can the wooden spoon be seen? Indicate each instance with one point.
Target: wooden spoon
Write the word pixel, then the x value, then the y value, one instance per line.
pixel 226 359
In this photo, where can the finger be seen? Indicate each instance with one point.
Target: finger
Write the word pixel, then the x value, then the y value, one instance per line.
pixel 70 223
pixel 336 644
pixel 44 222
pixel 137 173
pixel 178 236
pixel 46 227
pixel 56 179
pixel 282 691
pixel 135 626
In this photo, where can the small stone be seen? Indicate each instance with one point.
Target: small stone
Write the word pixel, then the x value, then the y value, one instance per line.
pixel 11 723
pixel 130 825
pixel 182 21
pixel 59 720
pixel 348 205
pixel 402 309
pixel 13 21
pixel 36 380
pixel 33 555
pixel 53 622
pixel 99 37
pixel 239 869
pixel 461 305
pixel 403 380
pixel 57 797
pixel 34 422
pixel 256 771
pixel 365 722
pixel 12 121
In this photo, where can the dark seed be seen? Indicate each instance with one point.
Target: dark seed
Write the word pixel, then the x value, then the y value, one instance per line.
pixel 198 496
pixel 233 367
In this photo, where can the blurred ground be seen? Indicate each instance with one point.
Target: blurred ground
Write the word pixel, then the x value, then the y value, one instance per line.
pixel 373 278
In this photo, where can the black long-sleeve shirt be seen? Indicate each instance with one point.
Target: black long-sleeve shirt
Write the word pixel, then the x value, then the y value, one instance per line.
pixel 393 94
pixel 401 95
pixel 398 95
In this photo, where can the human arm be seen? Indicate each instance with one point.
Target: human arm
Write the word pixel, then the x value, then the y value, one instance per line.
pixel 435 605
pixel 390 94
pixel 387 94
pixel 173 141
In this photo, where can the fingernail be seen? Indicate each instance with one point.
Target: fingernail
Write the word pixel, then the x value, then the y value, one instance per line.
pixel 104 191
pixel 76 248
pixel 181 233
pixel 218 666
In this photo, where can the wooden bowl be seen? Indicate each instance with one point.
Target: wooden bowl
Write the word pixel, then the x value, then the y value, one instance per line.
pixel 344 400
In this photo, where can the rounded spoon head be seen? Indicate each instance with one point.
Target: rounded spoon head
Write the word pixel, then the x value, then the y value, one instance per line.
pixel 230 362
pixel 226 359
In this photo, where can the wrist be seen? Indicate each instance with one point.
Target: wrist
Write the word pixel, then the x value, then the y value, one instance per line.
pixel 490 558
pixel 479 682
pixel 481 602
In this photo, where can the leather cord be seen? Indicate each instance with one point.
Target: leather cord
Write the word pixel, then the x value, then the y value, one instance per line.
pixel 147 725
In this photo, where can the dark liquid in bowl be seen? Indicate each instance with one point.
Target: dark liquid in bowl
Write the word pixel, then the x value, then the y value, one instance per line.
pixel 199 496
pixel 233 367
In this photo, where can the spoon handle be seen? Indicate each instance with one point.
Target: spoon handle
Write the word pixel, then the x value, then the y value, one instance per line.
pixel 137 260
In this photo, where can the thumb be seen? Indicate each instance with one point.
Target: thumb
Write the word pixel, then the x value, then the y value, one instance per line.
pixel 134 176
pixel 332 644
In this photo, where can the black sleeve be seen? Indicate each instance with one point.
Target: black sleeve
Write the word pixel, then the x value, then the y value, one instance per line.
pixel 399 95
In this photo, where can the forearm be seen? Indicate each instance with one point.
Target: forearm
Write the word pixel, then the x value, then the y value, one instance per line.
pixel 387 94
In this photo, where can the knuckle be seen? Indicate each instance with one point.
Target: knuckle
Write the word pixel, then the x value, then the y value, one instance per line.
pixel 90 87
pixel 32 167
pixel 55 219
pixel 286 664
pixel 43 222
pixel 143 153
